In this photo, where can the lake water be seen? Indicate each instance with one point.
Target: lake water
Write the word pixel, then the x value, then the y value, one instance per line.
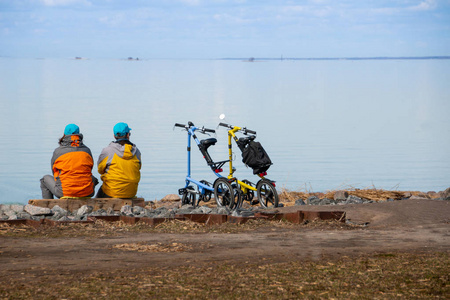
pixel 325 124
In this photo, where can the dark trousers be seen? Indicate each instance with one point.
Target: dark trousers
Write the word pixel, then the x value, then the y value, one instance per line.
pixel 101 194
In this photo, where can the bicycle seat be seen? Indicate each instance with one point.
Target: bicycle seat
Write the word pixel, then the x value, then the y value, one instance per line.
pixel 208 142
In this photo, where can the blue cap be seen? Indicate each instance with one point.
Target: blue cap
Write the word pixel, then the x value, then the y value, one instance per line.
pixel 121 129
pixel 71 129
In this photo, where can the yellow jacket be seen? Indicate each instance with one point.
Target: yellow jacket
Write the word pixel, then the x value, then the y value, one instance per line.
pixel 119 166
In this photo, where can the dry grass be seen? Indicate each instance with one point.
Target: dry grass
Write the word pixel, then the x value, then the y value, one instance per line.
pixel 289 197
pixel 157 247
pixel 103 228
pixel 378 276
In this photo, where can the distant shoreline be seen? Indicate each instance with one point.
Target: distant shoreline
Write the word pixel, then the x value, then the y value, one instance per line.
pixel 251 59
pixel 342 58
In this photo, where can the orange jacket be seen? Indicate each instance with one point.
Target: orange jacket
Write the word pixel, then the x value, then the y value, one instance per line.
pixel 72 164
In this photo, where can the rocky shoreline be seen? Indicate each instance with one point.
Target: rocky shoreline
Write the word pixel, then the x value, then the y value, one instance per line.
pixel 168 207
pixel 344 197
pixel 31 212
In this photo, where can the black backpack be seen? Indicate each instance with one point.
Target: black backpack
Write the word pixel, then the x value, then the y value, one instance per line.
pixel 254 156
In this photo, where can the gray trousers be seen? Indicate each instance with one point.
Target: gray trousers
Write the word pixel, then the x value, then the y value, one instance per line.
pixel 50 187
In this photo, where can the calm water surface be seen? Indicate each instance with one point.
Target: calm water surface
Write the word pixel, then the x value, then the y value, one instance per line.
pixel 325 124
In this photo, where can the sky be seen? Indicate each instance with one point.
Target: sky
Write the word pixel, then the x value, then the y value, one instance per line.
pixel 201 29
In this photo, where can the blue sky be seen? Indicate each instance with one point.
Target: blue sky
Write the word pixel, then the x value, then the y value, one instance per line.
pixel 223 28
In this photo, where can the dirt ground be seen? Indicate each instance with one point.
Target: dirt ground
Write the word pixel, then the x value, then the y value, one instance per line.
pixel 398 226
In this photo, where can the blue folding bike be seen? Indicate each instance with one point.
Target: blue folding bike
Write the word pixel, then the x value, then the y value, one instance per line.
pixel 224 193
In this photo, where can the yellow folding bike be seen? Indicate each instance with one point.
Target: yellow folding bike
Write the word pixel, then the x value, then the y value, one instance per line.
pixel 266 192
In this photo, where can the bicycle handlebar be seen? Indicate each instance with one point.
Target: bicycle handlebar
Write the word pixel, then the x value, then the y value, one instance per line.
pixel 208 130
pixel 190 124
pixel 244 130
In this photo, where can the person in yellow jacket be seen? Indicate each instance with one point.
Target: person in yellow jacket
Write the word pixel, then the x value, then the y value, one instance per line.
pixel 119 165
pixel 72 164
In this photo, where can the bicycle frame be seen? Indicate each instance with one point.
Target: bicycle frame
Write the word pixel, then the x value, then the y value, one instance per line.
pixel 221 186
pixel 265 188
pixel 189 179
pixel 232 135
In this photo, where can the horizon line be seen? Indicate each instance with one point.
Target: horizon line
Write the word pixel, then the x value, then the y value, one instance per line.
pixel 340 58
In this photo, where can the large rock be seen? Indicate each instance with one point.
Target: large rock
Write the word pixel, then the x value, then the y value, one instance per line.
pixel 326 201
pixel 10 213
pixel 59 210
pixel 4 207
pixel 171 197
pixel 37 211
pixel 313 200
pixel 340 196
pixel 84 210
pixel 300 202
pixel 99 212
pixel 205 209
pixel 126 210
pixel 354 200
pixel 23 215
pixel 18 208
pixel 137 210
pixel 220 211
pixel 446 194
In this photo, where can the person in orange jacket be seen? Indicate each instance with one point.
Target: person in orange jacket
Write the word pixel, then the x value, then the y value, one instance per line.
pixel 119 165
pixel 72 164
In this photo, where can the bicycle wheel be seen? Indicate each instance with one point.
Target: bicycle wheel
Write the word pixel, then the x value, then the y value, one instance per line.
pixel 188 197
pixel 250 193
pixel 207 193
pixel 223 193
pixel 238 196
pixel 267 194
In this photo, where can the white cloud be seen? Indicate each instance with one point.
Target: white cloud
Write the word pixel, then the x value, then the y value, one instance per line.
pixel 294 8
pixel 39 31
pixel 232 19
pixel 317 11
pixel 424 5
pixel 65 2
pixel 115 20
pixel 191 2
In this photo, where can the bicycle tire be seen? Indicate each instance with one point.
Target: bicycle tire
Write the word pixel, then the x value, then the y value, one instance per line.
pixel 223 193
pixel 238 197
pixel 267 194
pixel 250 194
pixel 188 198
pixel 207 196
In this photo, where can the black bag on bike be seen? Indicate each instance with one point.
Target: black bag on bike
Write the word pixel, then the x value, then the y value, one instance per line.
pixel 254 156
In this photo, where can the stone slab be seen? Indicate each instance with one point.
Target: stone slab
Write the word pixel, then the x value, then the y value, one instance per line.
pixel 295 217
pixel 153 221
pixel 129 220
pixel 207 219
pixel 108 218
pixel 32 223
